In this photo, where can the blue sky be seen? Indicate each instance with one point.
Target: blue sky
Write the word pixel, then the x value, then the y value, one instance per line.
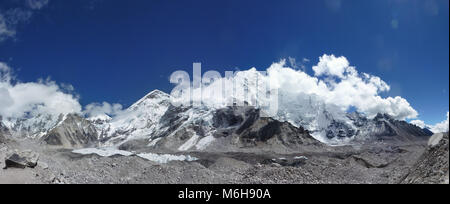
pixel 117 51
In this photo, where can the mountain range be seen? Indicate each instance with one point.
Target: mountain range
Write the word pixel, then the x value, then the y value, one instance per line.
pixel 154 123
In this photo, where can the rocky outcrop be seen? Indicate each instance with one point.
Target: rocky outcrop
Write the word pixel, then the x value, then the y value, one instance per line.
pixel 22 160
pixel 433 166
pixel 257 131
pixel 73 132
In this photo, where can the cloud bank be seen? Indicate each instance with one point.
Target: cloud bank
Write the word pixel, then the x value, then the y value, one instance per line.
pixel 45 97
pixel 23 100
pixel 335 83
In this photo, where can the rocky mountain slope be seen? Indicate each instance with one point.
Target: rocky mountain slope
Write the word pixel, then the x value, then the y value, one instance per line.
pixel 72 132
pixel 384 127
pixel 32 127
pixel 433 166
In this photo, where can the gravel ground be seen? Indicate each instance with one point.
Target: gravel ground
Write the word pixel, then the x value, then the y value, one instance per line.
pixel 375 164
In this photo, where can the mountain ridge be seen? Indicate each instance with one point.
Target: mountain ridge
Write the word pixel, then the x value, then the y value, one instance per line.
pixel 153 118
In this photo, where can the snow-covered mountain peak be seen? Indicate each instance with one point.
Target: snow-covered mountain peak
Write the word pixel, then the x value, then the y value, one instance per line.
pixel 154 97
pixel 140 120
pixel 34 127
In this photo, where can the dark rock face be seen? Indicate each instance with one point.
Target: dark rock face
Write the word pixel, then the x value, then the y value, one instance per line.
pixel 268 130
pixel 172 119
pixel 340 130
pixel 398 130
pixel 246 126
pixel 73 132
pixel 433 166
pixel 22 160
pixel 381 127
pixel 427 131
pixel 227 117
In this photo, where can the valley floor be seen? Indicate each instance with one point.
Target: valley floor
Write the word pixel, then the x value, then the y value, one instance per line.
pixel 375 164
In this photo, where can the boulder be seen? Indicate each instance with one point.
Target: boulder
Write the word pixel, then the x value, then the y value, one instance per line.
pixel 22 160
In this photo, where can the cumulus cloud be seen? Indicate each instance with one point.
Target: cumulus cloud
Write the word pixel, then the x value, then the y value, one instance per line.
pixel 340 84
pixel 19 100
pixel 335 83
pixel 437 128
pixel 96 110
pixel 329 65
pixel 31 99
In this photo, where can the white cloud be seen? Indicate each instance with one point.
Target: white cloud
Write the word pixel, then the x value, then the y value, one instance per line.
pixel 419 123
pixel 351 89
pixel 18 99
pixel 437 128
pixel 31 99
pixel 332 66
pixel 441 127
pixel 94 110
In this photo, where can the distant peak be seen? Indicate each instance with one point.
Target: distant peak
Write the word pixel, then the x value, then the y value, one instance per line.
pixel 156 93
